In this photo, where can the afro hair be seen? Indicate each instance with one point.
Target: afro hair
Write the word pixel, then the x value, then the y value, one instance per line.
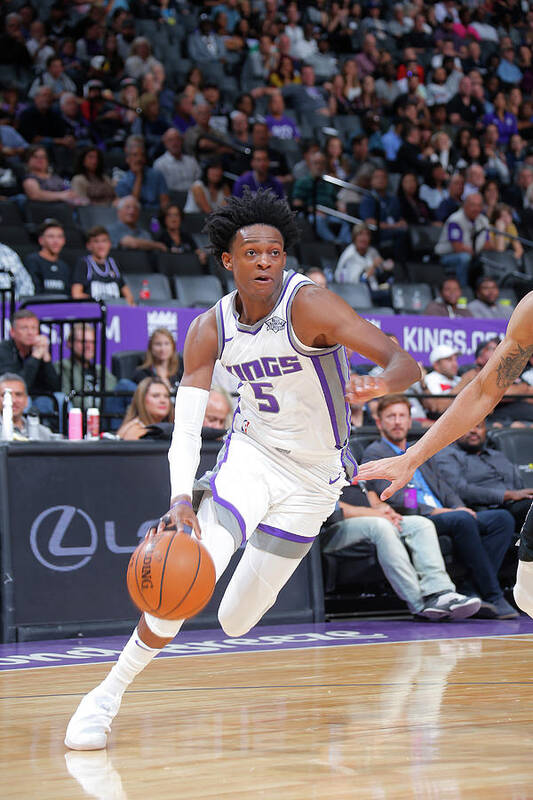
pixel 259 208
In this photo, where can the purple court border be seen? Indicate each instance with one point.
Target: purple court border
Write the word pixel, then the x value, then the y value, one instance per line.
pixel 31 655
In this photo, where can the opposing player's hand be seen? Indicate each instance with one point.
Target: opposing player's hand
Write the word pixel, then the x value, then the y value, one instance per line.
pixel 361 388
pixel 397 470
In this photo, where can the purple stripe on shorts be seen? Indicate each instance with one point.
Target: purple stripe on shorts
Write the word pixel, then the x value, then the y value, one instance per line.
pixel 327 396
pixel 229 506
pixel 281 534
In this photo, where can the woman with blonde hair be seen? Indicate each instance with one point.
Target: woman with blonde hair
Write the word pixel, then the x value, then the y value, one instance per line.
pixel 161 360
pixel 150 405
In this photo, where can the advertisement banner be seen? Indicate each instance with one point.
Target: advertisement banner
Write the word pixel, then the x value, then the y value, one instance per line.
pixel 129 329
pixel 72 514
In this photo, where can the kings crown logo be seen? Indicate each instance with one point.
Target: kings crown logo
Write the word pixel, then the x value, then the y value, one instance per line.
pixel 275 324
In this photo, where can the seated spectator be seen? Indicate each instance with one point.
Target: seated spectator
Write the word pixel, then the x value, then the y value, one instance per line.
pixel 442 379
pixel 284 74
pixel 140 59
pixel 49 273
pixel 76 126
pixel 27 353
pixel 173 237
pixel 205 47
pixel 10 262
pixel 408 552
pixel 150 405
pixel 79 372
pixel 464 234
pixel 279 124
pixel 179 170
pixel 502 220
pixel 491 197
pixel 412 208
pixel 483 476
pixel 55 78
pixel 384 209
pixel 361 262
pixel 507 70
pixel 452 203
pixel 13 49
pixel 210 191
pixel 41 183
pixel 337 163
pixel 306 191
pixel 480 540
pixel 126 232
pixel 161 360
pixel 202 139
pixel 447 304
pixel 463 108
pixel 475 177
pixel 151 124
pixel 217 417
pixel 40 124
pixel 259 177
pixel 308 97
pixel 146 184
pixel 97 276
pixel 19 395
pixel 89 181
pixel 433 191
pixel 12 145
pixel 487 304
pixel 504 121
pixel 183 117
pixel 317 275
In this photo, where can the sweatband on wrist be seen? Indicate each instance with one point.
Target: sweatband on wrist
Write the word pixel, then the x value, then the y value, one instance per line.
pixel 180 503
pixel 184 451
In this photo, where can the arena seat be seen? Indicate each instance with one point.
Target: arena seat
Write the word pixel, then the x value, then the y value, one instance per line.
pixel 517 444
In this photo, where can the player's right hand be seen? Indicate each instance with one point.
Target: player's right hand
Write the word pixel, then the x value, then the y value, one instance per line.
pixel 180 516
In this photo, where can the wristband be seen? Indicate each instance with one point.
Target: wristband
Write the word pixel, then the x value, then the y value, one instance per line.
pixel 180 503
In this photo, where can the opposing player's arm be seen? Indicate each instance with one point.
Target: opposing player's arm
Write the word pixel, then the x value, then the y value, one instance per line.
pixel 470 406
pixel 199 356
pixel 322 319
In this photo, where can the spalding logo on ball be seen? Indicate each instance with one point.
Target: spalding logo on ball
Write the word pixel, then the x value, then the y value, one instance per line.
pixel 171 575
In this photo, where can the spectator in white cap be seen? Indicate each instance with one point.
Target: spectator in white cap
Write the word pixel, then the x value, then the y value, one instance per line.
pixel 442 379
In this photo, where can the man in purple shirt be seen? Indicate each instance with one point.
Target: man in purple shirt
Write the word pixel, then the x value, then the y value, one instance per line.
pixel 258 177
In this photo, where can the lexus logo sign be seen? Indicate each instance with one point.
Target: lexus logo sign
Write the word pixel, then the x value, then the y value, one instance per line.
pixel 50 534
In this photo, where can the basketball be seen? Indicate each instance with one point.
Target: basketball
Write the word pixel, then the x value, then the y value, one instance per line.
pixel 171 575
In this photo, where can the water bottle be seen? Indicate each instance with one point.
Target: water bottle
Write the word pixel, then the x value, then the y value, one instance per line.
pixel 410 499
pixel 144 293
pixel 7 416
pixel 75 424
pixel 399 298
pixel 33 425
pixel 417 300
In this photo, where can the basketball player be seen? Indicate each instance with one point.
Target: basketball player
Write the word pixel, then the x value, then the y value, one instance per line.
pixel 285 459
pixel 476 400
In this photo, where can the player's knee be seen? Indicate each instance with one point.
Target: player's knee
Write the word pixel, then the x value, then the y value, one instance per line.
pixel 233 625
pixel 164 628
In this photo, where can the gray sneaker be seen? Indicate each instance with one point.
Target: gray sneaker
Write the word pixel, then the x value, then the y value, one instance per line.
pixel 505 610
pixel 457 606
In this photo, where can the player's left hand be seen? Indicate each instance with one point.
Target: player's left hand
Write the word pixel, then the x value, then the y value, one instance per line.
pixel 361 388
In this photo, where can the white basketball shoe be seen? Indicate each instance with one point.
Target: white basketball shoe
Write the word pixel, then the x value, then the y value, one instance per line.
pixel 91 722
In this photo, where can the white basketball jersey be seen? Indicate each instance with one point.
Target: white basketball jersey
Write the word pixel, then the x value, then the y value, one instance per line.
pixel 291 395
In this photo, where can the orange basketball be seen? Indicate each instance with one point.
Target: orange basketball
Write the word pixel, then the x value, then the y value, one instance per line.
pixel 171 575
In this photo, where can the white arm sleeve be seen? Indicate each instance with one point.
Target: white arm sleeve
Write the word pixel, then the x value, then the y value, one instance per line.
pixel 184 452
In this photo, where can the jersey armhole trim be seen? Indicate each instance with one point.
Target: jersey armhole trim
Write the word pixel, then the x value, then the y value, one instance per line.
pixel 296 344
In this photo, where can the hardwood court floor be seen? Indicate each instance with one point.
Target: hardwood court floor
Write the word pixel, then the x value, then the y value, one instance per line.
pixel 442 720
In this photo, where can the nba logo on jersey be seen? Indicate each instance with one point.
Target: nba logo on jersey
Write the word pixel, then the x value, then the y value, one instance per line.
pixel 245 424
pixel 275 324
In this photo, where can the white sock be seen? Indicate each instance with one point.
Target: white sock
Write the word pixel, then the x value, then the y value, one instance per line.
pixel 523 590
pixel 133 659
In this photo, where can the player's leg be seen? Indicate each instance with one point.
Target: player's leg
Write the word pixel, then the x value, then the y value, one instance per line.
pixel 88 728
pixel 253 589
pixel 523 590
